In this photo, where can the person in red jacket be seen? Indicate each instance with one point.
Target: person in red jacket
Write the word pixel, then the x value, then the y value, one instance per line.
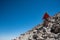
pixel 45 17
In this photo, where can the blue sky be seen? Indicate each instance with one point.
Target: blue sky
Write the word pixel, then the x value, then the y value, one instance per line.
pixel 19 16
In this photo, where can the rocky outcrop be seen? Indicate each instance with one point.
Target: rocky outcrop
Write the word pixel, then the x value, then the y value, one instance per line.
pixel 48 30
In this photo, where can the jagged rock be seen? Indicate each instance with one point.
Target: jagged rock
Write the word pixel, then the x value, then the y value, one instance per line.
pixel 48 30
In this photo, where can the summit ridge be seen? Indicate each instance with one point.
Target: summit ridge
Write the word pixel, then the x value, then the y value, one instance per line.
pixel 48 30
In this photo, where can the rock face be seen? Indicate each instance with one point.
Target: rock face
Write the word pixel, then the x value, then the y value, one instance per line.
pixel 48 30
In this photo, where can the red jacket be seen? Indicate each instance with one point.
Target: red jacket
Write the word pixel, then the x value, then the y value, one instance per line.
pixel 46 16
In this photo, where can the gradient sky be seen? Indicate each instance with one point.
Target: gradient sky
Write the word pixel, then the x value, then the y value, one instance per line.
pixel 19 16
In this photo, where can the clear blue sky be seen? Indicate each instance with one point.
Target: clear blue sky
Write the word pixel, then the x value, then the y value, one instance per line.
pixel 19 16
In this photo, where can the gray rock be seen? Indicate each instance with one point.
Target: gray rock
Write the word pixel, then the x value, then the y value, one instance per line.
pixel 41 32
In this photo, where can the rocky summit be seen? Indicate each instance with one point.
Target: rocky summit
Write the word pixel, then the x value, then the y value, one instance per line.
pixel 48 30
